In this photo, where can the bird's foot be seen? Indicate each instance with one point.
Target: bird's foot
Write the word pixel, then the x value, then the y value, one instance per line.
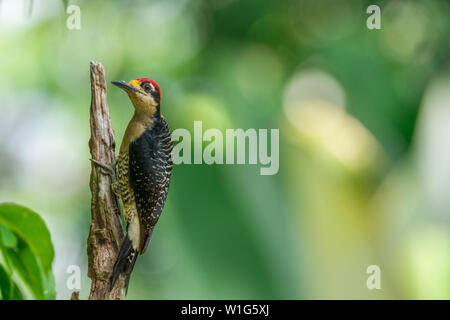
pixel 111 171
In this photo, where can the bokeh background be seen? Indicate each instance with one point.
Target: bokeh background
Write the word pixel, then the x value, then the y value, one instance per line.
pixel 364 120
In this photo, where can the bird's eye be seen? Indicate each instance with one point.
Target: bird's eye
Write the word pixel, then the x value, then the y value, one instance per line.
pixel 147 87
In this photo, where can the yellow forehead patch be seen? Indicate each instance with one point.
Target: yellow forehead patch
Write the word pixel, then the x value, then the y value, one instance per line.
pixel 135 83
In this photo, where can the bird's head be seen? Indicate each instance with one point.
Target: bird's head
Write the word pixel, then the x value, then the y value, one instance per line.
pixel 145 95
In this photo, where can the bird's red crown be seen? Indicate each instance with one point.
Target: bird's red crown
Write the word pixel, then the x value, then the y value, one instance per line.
pixel 152 82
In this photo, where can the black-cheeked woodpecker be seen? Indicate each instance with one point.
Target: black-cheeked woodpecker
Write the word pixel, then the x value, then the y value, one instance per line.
pixel 143 171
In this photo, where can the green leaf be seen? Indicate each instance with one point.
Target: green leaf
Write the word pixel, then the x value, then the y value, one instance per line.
pixel 30 227
pixel 8 289
pixel 26 266
pixel 49 287
pixel 26 254
pixel 7 238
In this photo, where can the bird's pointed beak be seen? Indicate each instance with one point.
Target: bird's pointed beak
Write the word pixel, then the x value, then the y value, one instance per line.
pixel 129 88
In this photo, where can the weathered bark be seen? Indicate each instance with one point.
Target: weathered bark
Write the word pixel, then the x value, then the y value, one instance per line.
pixel 75 295
pixel 106 231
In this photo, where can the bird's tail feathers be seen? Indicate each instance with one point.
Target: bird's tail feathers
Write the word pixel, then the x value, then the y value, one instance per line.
pixel 124 263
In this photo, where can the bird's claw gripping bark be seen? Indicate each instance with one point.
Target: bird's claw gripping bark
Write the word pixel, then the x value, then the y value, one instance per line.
pixel 104 166
pixel 111 171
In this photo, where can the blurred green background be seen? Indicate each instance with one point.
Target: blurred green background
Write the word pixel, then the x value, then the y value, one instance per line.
pixel 364 119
